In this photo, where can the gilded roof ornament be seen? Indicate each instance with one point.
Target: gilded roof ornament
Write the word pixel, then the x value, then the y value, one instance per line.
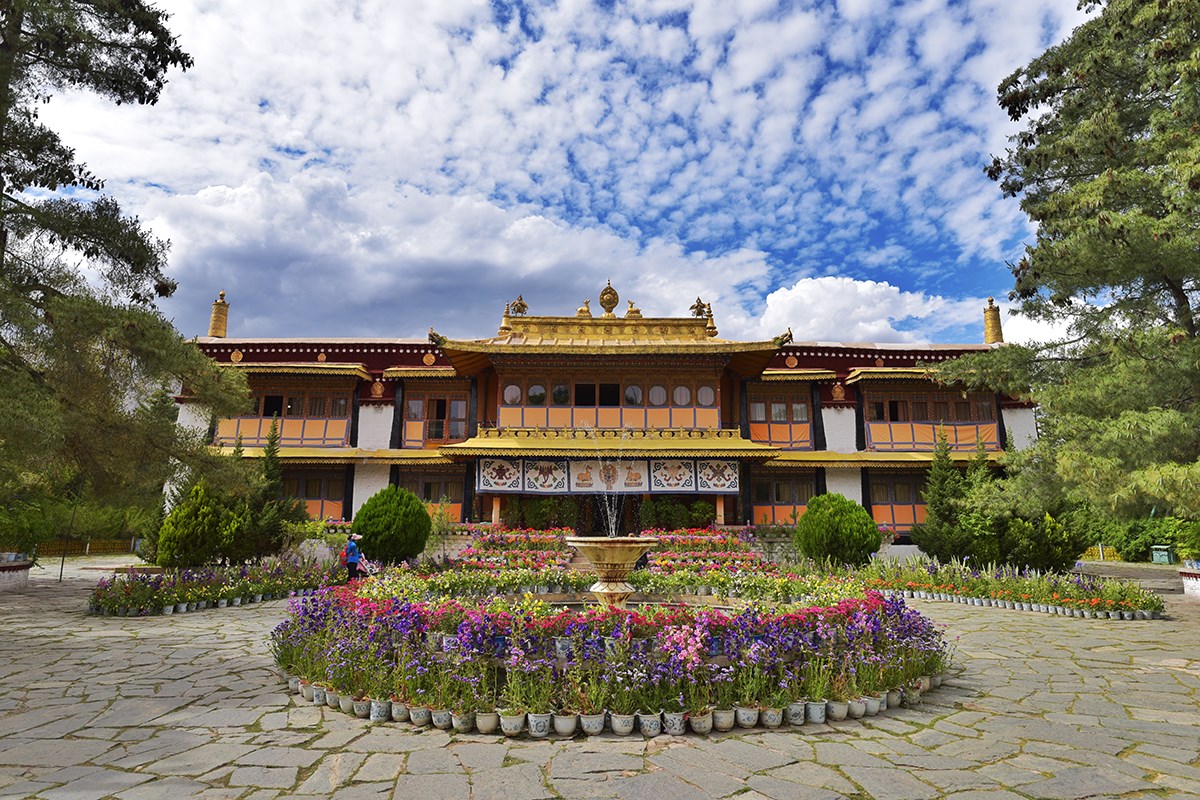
pixel 634 312
pixel 783 338
pixel 435 337
pixel 698 308
pixel 609 299
pixel 519 306
pixel 584 310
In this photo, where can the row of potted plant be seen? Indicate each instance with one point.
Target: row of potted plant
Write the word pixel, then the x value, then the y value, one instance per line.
pixel 174 591
pixel 530 662
pixel 1069 594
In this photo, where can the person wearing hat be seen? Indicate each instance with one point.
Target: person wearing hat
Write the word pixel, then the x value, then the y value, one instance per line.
pixel 353 556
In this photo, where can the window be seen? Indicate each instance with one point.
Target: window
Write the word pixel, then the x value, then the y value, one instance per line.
pixel 610 395
pixel 762 493
pixel 658 395
pixel 779 412
pixel 335 489
pixel 585 395
pixel 458 419
pixel 799 412
pixel 758 412
pixel 560 395
pixel 705 396
pixel 312 489
pixel 784 494
pixel 434 489
pixel 987 412
pixel 316 406
pixel 879 494
pixel 905 490
pixel 682 396
pixel 875 412
pixel 898 411
pixel 787 492
pixel 941 411
pixel 414 408
pixel 272 405
pixel 920 410
pixel 962 410
pixel 339 408
pixel 512 395
pixel 633 395
pixel 444 417
pixel 536 396
pixel 294 407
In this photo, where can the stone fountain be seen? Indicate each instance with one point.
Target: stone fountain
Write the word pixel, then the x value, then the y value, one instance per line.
pixel 612 557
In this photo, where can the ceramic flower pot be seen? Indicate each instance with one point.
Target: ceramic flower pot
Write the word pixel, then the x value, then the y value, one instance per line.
pixel 836 710
pixel 420 715
pixel 592 724
pixel 857 708
pixel 539 724
pixel 815 711
pixel 381 710
pixel 649 723
pixel 306 690
pixel 724 719
pixel 362 708
pixel 702 723
pixel 622 724
pixel 565 724
pixel 794 714
pixel 746 717
pixel 674 723
pixel 464 722
pixel 399 711
pixel 332 698
pixel 293 683
pixel 893 698
pixel 771 717
pixel 512 724
pixel 442 718
pixel 487 721
pixel 871 705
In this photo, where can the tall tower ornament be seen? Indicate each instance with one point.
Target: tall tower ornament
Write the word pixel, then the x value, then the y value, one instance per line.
pixel 609 299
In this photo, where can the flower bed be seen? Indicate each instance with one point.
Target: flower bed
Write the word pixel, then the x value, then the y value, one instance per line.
pixel 143 594
pixel 704 549
pixel 1070 594
pixel 523 657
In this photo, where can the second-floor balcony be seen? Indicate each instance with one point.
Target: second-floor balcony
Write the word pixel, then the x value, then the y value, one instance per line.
pixel 923 436
pixel 305 432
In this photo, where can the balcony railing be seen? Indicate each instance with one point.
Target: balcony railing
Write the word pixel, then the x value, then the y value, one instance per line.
pixel 314 432
pixel 923 436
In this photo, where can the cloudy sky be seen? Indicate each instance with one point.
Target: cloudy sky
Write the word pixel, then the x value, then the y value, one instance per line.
pixel 373 168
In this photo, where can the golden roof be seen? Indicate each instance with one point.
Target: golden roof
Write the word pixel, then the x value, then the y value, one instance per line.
pixel 341 370
pixel 774 375
pixel 901 460
pixel 420 372
pixel 605 443
pixel 607 335
pixel 346 455
pixel 889 373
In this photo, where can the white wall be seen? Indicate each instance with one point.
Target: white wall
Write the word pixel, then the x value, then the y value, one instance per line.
pixel 194 416
pixel 375 427
pixel 368 479
pixel 846 482
pixel 1021 425
pixel 840 430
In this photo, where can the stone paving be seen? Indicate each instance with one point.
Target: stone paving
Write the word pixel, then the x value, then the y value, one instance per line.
pixel 190 706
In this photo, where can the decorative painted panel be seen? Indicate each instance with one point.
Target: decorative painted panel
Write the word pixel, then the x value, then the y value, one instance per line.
pixel 618 476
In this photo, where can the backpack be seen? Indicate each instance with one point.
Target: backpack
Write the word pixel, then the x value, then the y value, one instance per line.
pixel 342 556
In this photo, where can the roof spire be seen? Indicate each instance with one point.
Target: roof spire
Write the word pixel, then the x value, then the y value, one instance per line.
pixel 218 323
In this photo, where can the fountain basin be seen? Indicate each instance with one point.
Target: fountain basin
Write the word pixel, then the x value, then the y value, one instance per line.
pixel 612 558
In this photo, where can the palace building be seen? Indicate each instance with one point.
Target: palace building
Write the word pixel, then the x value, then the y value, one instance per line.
pixel 601 404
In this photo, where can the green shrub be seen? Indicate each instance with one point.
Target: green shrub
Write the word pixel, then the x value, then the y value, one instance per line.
pixel 1047 544
pixel 191 533
pixel 837 529
pixel 394 525
pixel 701 514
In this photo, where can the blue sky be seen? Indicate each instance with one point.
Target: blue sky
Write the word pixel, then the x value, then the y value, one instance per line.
pixel 374 168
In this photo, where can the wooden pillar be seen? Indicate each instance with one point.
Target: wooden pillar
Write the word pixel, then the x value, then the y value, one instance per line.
pixel 495 509
pixel 720 509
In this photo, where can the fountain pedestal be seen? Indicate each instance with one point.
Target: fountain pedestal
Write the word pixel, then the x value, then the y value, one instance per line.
pixel 612 557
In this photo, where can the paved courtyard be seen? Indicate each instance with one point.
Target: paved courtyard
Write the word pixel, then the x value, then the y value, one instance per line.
pixel 190 706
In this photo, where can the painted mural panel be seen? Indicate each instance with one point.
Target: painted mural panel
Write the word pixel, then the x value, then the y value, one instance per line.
pixel 545 476
pixel 500 474
pixel 717 476
pixel 672 475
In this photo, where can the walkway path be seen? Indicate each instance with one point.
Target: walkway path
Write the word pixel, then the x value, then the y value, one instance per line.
pixel 189 706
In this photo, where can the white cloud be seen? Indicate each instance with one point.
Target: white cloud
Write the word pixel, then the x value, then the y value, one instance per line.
pixel 356 165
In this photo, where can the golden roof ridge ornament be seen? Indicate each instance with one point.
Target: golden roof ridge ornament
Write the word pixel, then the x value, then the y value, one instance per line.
pixel 218 322
pixel 698 307
pixel 634 312
pixel 609 299
pixel 519 306
pixel 505 322
pixel 584 310
pixel 436 338
pixel 783 338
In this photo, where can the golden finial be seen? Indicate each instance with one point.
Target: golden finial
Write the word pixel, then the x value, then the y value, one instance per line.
pixel 992 333
pixel 584 310
pixel 698 308
pixel 609 299
pixel 519 306
pixel 634 312
pixel 505 322
pixel 218 323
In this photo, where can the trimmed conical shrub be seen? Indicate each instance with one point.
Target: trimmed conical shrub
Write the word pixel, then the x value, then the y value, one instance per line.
pixel 394 525
pixel 837 529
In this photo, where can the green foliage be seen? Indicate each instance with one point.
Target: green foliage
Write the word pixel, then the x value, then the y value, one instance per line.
pixel 667 514
pixel 837 529
pixel 940 535
pixel 553 511
pixel 191 534
pixel 1109 169
pixel 1134 538
pixel 701 514
pixel 394 525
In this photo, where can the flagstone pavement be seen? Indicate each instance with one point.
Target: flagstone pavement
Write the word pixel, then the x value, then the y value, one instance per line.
pixel 190 706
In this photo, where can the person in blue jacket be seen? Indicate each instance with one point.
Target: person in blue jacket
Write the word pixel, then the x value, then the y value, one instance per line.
pixel 353 556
